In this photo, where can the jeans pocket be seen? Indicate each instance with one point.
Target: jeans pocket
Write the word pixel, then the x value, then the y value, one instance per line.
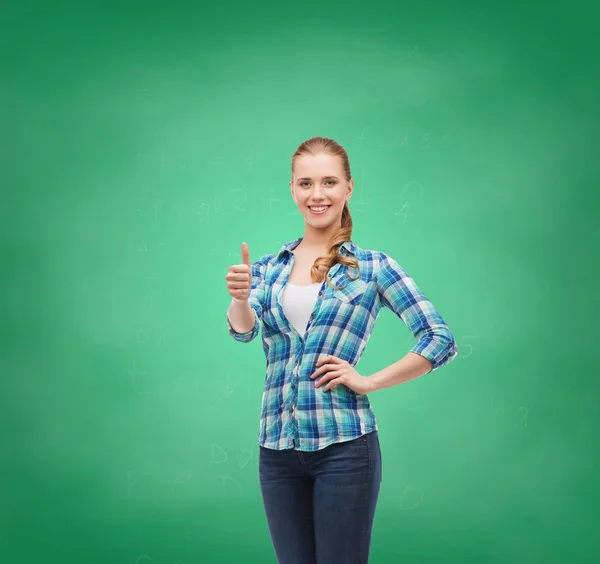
pixel 362 440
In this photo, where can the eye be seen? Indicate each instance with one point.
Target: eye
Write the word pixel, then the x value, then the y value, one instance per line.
pixel 328 182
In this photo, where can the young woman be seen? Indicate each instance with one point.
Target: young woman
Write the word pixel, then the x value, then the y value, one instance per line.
pixel 318 299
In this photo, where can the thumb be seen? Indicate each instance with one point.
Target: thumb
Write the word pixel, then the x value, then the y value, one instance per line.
pixel 246 254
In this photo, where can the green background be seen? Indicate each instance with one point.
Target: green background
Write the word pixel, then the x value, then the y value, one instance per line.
pixel 142 143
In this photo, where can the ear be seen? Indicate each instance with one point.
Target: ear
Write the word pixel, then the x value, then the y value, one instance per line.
pixel 350 189
pixel 292 191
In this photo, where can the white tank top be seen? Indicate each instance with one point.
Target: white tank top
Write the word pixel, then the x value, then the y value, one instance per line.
pixel 298 303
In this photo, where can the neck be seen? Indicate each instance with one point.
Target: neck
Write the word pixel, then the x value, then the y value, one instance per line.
pixel 311 249
pixel 317 239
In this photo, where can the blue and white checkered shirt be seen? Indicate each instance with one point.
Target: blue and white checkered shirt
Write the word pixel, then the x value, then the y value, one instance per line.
pixel 294 413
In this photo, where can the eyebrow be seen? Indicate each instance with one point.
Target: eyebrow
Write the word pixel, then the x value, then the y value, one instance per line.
pixel 307 178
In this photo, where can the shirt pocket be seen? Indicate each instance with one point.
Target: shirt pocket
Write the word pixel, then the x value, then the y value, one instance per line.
pixel 352 291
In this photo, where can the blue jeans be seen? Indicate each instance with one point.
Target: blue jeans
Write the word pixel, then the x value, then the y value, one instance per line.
pixel 320 505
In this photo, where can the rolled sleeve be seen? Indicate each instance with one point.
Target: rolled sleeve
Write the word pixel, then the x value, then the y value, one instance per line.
pixel 255 300
pixel 399 293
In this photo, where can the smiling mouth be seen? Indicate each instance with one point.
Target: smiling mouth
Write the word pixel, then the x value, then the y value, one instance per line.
pixel 321 211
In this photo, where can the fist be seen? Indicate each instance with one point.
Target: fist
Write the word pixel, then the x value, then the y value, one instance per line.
pixel 239 277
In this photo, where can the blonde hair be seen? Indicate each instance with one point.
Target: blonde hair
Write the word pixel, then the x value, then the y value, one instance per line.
pixel 322 264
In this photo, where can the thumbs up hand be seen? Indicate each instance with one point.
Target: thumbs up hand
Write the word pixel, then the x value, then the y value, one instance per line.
pixel 239 277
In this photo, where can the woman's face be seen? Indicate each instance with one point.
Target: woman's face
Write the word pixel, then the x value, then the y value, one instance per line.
pixel 319 180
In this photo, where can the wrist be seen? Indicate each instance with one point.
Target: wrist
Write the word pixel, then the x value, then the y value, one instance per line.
pixel 371 384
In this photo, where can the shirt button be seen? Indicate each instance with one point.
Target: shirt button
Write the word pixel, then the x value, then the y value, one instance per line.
pixel 293 386
pixel 320 293
pixel 291 409
pixel 450 345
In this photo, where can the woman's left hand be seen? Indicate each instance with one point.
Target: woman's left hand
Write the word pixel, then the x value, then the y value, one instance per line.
pixel 340 371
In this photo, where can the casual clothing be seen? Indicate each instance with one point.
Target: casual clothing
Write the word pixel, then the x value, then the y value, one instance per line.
pixel 294 414
pixel 320 505
pixel 298 302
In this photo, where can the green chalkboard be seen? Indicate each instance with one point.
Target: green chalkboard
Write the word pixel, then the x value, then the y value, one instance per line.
pixel 143 142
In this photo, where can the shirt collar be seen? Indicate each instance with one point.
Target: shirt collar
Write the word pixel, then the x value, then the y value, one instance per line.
pixel 347 247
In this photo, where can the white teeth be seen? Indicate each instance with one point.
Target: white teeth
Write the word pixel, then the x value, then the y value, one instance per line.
pixel 319 209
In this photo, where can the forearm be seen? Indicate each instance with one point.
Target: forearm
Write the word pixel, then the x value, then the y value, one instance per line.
pixel 407 368
pixel 241 316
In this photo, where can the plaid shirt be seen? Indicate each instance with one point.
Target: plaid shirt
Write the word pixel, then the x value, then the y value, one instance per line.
pixel 295 414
